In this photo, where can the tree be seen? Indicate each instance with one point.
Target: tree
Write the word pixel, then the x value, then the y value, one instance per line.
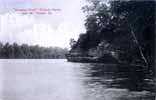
pixel 72 42
pixel 138 19
pixel 127 25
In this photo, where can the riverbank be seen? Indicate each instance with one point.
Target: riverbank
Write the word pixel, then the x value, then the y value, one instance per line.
pixel 91 59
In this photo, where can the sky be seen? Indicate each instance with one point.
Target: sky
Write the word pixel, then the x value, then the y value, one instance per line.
pixel 41 22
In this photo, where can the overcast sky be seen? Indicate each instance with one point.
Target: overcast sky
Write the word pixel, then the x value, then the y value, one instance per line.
pixel 54 29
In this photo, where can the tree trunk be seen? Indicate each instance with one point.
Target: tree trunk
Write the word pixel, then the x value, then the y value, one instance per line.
pixel 139 47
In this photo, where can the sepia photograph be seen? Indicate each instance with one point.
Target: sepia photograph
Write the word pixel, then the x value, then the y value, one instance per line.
pixel 77 50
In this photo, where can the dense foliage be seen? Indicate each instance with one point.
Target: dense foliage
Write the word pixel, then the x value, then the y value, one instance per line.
pixel 30 52
pixel 126 27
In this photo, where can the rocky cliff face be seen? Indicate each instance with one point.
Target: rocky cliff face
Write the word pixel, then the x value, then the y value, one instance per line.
pixel 101 53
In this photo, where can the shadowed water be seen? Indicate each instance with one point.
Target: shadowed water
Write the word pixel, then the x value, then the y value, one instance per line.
pixel 62 80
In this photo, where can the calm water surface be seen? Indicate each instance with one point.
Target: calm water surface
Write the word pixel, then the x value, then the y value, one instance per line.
pixel 62 80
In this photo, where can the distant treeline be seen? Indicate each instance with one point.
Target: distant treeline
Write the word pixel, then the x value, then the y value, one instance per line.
pixel 8 51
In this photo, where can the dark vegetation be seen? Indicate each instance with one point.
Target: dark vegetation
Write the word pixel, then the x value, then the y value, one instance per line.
pixel 25 51
pixel 123 29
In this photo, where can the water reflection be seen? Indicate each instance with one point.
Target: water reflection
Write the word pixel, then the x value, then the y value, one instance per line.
pixel 116 82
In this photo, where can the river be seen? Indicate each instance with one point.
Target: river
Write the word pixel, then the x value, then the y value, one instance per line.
pixel 50 79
